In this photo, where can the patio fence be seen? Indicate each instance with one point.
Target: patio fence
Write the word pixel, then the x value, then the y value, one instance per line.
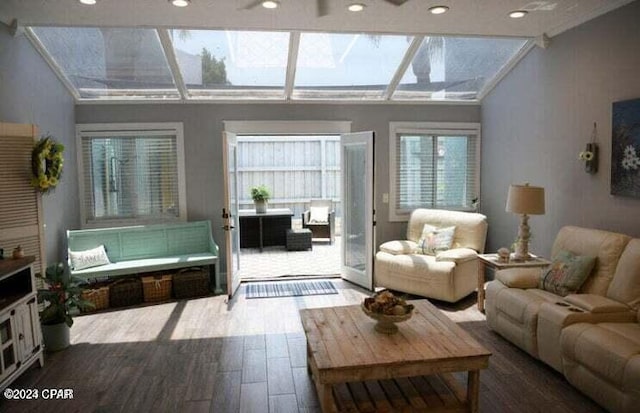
pixel 295 169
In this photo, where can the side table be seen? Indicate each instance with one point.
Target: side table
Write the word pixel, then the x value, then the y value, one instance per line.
pixel 491 261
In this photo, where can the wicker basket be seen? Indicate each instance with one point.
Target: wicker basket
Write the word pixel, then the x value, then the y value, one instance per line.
pixel 191 282
pixel 125 292
pixel 98 295
pixel 157 288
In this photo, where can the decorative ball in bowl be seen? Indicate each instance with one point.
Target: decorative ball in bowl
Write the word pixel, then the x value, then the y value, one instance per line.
pixel 387 310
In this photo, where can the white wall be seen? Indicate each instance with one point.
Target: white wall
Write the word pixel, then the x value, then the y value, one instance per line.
pixel 31 93
pixel 541 116
pixel 203 126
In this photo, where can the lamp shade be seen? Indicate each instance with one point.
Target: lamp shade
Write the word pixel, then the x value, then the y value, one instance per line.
pixel 525 199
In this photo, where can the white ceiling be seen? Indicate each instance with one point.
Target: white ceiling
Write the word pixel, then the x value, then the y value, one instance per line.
pixel 468 17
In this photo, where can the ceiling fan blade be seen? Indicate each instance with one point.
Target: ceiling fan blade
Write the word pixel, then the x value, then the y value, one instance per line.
pixel 323 7
pixel 397 2
pixel 253 4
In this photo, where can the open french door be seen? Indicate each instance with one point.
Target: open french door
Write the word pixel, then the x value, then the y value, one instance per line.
pixel 230 211
pixel 357 157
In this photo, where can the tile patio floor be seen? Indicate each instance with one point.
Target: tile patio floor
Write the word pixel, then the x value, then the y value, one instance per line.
pixel 323 259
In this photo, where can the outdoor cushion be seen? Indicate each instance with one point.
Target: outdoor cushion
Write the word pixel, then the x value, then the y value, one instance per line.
pixel 318 215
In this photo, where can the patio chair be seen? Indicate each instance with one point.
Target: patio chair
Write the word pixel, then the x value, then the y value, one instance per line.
pixel 320 219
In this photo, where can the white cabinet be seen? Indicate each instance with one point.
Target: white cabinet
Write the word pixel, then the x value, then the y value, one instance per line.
pixel 20 334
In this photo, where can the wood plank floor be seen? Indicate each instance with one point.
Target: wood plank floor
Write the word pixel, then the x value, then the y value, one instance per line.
pixel 203 355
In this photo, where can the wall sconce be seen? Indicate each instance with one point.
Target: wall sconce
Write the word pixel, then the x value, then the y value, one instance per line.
pixel 590 154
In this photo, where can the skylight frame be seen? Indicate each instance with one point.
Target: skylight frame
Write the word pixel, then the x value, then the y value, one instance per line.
pixel 290 73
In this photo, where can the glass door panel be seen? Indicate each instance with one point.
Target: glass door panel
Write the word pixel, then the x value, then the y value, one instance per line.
pixel 357 198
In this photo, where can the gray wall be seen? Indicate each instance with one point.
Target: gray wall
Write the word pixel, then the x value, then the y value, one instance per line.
pixel 203 139
pixel 537 120
pixel 31 93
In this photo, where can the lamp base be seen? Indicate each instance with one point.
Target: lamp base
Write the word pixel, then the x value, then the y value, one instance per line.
pixel 522 246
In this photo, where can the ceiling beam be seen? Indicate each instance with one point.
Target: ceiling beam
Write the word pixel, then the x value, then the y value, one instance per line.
pixel 172 60
pixel 292 64
pixel 402 68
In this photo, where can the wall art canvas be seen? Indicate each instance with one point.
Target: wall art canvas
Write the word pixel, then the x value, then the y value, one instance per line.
pixel 625 149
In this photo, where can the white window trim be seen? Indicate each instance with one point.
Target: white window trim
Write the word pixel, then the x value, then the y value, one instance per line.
pixel 467 128
pixel 285 127
pixel 107 129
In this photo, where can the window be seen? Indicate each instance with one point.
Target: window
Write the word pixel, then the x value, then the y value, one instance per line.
pixel 433 165
pixel 131 173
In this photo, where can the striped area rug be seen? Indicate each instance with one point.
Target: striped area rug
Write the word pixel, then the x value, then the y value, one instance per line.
pixel 289 289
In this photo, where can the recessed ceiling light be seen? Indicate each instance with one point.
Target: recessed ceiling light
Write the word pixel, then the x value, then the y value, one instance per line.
pixel 270 4
pixel 180 3
pixel 438 9
pixel 518 14
pixel 356 7
pixel 88 2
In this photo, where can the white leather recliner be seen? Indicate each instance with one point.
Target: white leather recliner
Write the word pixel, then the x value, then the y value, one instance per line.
pixel 449 275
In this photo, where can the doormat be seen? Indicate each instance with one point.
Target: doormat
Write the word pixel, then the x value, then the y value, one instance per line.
pixel 291 289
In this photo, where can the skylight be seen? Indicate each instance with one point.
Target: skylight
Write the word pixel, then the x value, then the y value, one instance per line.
pixel 226 64
pixel 455 68
pixel 347 66
pixel 120 64
pixel 103 63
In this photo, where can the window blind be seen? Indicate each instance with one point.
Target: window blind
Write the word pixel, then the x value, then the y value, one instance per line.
pixel 130 177
pixel 435 171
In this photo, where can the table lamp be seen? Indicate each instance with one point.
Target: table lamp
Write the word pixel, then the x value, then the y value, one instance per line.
pixel 525 200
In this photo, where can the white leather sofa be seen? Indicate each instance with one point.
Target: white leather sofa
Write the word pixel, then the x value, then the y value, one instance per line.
pixel 592 337
pixel 449 275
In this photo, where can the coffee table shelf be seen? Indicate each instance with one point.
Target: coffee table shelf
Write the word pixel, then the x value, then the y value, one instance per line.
pixel 440 393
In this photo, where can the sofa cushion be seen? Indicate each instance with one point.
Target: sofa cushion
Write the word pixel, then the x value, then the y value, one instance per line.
pixel 522 305
pixel 611 350
pixel 567 273
pixel 606 246
pixel 434 240
pixel 625 286
pixel 399 247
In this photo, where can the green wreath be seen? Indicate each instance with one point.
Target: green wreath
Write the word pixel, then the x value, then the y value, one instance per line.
pixel 46 164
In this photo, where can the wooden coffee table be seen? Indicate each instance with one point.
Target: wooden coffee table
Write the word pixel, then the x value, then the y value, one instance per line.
pixel 355 368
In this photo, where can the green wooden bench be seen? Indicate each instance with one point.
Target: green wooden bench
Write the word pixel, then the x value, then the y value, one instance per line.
pixel 147 248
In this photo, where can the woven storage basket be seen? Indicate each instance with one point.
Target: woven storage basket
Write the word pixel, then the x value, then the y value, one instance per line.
pixel 98 295
pixel 125 292
pixel 156 288
pixel 192 282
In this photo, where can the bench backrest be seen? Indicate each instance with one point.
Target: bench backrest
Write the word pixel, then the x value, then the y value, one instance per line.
pixel 146 241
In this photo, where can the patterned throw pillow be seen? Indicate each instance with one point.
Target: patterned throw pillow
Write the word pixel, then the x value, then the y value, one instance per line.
pixel 434 240
pixel 89 258
pixel 567 273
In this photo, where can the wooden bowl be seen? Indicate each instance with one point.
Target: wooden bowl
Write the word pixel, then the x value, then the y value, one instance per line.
pixel 386 324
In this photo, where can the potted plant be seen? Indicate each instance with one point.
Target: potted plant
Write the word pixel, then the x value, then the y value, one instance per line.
pixel 260 195
pixel 62 298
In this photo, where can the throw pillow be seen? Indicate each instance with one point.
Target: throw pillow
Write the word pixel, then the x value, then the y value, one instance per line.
pixel 435 239
pixel 319 215
pixel 89 258
pixel 567 273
